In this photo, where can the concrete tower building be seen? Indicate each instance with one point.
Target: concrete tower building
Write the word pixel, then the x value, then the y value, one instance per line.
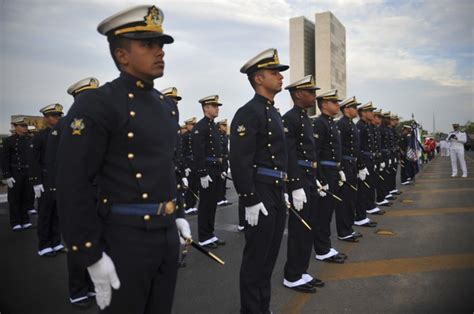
pixel 319 49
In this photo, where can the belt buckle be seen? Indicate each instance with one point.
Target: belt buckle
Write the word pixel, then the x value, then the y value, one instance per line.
pixel 314 164
pixel 167 207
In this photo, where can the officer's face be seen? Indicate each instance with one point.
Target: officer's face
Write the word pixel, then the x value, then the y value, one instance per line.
pixel 21 129
pixel 307 98
pixel 271 80
pixel 52 119
pixel 143 59
pixel 376 120
pixel 350 112
pixel 211 111
pixel 332 107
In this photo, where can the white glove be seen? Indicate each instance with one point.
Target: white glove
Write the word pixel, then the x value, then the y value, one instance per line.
pixel 366 171
pixel 9 182
pixel 390 162
pixel 104 276
pixel 183 230
pixel 382 165
pixel 299 198
pixel 361 174
pixel 187 171
pixel 342 178
pixel 223 174
pixel 321 188
pixel 287 199
pixel 205 181
pixel 185 182
pixel 38 189
pixel 252 212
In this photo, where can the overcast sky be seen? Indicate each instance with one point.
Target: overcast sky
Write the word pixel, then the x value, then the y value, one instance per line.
pixel 405 56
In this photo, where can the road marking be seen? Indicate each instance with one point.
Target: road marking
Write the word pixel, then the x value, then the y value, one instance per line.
pixel 436 191
pixel 398 266
pixel 429 211
pixel 388 267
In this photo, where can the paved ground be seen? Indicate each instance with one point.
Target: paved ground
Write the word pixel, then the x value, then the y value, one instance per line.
pixel 426 267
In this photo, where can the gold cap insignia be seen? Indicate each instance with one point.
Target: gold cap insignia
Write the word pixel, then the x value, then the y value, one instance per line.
pixel 241 130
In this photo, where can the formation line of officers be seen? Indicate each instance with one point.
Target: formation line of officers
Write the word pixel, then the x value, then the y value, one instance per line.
pixel 117 174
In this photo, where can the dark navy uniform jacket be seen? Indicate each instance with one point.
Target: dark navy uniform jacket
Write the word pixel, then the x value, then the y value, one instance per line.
pixel 14 156
pixel 327 143
pixel 187 150
pixel 257 139
pixel 300 144
pixel 207 148
pixel 37 157
pixel 350 141
pixel 51 152
pixel 378 143
pixel 224 138
pixel 367 141
pixel 122 136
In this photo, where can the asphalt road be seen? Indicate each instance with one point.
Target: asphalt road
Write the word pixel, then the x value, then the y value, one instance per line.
pixel 426 266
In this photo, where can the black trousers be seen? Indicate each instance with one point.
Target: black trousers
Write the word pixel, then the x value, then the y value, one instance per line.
pixel 221 190
pixel 345 210
pixel 366 196
pixel 49 235
pixel 241 214
pixel 207 209
pixel 300 242
pixel 190 200
pixel 19 197
pixel 146 261
pixel 381 188
pixel 262 243
pixel 79 281
pixel 321 223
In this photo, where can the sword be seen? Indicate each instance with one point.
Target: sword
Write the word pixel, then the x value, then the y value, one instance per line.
pixel 203 251
pixel 351 186
pixel 298 216
pixel 366 184
pixel 194 194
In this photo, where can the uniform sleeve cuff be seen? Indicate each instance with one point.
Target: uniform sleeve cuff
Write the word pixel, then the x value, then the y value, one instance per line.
pixel 249 199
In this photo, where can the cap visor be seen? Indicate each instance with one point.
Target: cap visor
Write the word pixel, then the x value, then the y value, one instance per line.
pixel 166 39
pixel 279 67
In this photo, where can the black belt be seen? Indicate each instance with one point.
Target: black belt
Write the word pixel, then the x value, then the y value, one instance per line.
pixel 350 158
pixel 214 159
pixel 272 173
pixel 157 209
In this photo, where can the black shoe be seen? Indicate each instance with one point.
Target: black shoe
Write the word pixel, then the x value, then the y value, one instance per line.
pixel 337 259
pixel 316 283
pixel 305 288
pixel 370 224
pixel 350 239
pixel 357 234
pixel 219 242
pixel 397 193
pixel 386 204
pixel 344 256
pixel 83 304
pixel 212 245
pixel 380 212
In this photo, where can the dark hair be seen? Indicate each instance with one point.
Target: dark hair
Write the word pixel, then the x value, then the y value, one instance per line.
pixel 118 43
pixel 320 103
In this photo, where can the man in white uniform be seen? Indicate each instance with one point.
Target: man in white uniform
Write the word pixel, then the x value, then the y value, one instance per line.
pixel 456 141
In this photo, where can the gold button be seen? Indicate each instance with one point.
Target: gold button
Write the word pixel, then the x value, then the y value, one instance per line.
pixel 145 195
pixel 132 113
pixel 104 201
pixel 161 97
pixel 88 244
pixel 173 113
pixel 74 248
pixel 269 133
pixel 269 145
pixel 138 175
pixel 130 156
pixel 130 95
pixel 146 217
pixel 269 119
pixel 276 181
pixel 130 134
pixel 273 157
